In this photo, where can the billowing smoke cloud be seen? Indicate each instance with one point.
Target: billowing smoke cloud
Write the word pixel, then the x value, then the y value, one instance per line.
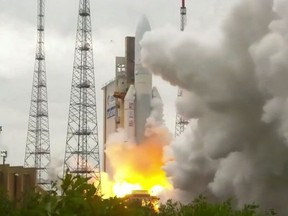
pixel 238 94
pixel 55 168
pixel 155 121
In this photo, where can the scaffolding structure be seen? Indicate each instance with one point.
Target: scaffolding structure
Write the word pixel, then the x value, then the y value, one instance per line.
pixel 82 148
pixel 37 154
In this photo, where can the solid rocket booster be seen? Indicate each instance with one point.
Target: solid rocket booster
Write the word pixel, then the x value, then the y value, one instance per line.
pixel 129 113
pixel 143 83
pixel 157 106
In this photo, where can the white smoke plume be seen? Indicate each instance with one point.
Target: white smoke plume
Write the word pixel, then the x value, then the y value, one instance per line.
pixel 238 92
pixel 55 168
pixel 155 121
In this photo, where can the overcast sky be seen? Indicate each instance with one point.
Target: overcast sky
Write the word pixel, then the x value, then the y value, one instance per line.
pixel 112 20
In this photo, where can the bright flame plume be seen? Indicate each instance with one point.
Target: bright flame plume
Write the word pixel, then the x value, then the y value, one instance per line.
pixel 137 166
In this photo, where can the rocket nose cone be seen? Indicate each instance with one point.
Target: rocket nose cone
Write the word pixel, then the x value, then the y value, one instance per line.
pixel 130 93
pixel 142 27
pixel 155 93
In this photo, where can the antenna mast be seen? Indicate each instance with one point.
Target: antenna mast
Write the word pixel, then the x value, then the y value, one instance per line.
pixel 37 152
pixel 181 123
pixel 82 148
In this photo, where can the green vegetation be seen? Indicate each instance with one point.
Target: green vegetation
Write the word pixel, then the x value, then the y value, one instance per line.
pixel 6 206
pixel 201 207
pixel 79 198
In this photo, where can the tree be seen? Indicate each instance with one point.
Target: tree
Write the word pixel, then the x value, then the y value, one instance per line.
pixel 6 206
pixel 76 197
pixel 201 207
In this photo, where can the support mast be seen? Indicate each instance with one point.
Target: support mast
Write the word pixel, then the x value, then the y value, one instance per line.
pixel 37 152
pixel 82 148
pixel 181 123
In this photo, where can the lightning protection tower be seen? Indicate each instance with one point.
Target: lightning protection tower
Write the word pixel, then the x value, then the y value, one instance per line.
pixel 181 123
pixel 38 144
pixel 82 149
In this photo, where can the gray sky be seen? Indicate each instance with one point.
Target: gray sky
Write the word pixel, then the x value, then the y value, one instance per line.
pixel 111 22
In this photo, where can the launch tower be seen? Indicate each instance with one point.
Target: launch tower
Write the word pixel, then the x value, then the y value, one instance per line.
pixel 38 144
pixel 82 148
pixel 114 93
pixel 181 123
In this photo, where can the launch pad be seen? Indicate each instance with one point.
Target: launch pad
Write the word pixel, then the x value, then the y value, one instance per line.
pixel 142 197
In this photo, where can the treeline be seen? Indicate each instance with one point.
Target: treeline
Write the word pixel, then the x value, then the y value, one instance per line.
pixel 78 198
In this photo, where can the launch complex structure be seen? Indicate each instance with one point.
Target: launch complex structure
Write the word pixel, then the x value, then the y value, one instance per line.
pixel 114 93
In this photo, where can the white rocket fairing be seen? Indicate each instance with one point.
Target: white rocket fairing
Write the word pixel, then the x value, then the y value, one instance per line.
pixel 141 94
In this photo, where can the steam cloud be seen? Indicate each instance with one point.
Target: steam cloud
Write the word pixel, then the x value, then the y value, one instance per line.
pixel 238 92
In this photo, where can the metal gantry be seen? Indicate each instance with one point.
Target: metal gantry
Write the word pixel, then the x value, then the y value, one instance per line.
pixel 181 122
pixel 37 152
pixel 82 148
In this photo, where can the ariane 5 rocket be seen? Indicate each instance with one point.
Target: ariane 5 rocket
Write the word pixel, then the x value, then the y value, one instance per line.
pixel 137 102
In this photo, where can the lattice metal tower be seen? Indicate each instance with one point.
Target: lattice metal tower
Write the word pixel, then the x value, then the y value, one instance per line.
pixel 82 148
pixel 181 123
pixel 38 144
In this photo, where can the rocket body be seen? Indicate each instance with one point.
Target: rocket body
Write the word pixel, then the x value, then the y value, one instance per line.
pixel 142 90
pixel 143 82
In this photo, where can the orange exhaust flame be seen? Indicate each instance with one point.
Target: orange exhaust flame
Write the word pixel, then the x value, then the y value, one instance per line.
pixel 138 166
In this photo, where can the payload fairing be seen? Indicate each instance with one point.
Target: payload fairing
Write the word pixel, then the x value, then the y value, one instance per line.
pixel 137 102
